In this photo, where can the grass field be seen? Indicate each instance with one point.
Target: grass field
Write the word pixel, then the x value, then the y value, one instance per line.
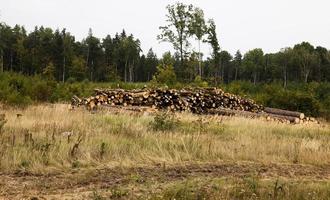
pixel 51 152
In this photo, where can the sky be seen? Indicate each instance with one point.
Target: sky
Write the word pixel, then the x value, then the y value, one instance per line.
pixel 241 24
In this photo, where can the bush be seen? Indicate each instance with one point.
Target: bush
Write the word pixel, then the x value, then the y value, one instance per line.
pixel 311 98
pixel 71 80
pixel 164 121
pixel 165 75
pixel 198 82
pixel 42 91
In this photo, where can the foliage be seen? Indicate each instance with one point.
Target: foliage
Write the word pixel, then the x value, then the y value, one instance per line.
pixel 198 82
pixel 312 98
pixel 165 75
pixel 177 30
pixel 56 55
pixel 164 121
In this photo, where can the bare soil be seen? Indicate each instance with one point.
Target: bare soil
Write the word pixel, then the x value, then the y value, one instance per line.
pixel 82 183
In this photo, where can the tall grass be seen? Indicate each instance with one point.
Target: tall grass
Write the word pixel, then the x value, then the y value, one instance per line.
pixel 53 138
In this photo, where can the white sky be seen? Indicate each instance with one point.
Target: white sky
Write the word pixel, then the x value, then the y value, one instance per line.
pixel 241 24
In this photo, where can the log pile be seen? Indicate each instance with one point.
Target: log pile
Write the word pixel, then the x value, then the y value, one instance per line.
pixel 264 115
pixel 199 101
pixel 196 101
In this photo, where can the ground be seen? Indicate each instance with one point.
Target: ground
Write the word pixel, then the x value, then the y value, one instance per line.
pixel 52 152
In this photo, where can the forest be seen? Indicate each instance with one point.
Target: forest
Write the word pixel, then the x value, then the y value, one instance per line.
pixel 57 55
pixel 54 60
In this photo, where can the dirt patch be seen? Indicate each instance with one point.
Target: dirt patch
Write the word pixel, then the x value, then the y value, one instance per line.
pixel 81 184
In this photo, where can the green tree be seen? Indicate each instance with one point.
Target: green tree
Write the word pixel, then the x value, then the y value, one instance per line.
pixel 150 65
pixel 306 58
pixel 198 28
pixel 164 71
pixel 253 62
pixel 237 63
pixel 78 69
pixel 212 39
pixel 284 57
pixel 2 46
pixel 68 40
pixel 165 74
pixel 177 29
pixel 323 64
pixel 94 56
pixel 225 63
pixel 49 71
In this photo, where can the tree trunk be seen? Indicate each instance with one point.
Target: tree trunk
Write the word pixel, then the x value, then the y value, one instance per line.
pixel 306 76
pixel 87 59
pixel 1 64
pixel 125 71
pixel 254 78
pixel 63 74
pixel 92 69
pixel 181 54
pixel 199 59
pixel 131 72
pixel 11 60
pixel 236 71
pixel 284 77
pixel 219 70
pixel 223 73
pixel 319 77
pixel 284 112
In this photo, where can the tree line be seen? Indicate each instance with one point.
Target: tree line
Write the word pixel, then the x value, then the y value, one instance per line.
pixel 57 55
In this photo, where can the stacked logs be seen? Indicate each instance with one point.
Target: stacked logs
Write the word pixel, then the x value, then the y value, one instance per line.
pixel 199 100
pixel 270 114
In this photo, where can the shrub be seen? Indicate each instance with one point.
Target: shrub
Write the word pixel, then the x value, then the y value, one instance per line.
pixel 164 121
pixel 165 75
pixel 198 82
pixel 42 91
pixel 71 80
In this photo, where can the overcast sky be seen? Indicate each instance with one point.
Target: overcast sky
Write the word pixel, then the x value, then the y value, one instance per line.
pixel 241 24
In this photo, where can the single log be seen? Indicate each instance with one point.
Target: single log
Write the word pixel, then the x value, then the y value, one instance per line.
pixel 294 120
pixel 277 111
pixel 268 116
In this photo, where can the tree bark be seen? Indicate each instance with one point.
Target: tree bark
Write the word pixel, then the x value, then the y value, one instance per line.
pixel 125 71
pixel 254 78
pixel 306 76
pixel 199 59
pixel 284 77
pixel 284 112
pixel 181 54
pixel 236 71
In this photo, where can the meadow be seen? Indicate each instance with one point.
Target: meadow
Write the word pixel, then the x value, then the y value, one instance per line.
pixel 50 151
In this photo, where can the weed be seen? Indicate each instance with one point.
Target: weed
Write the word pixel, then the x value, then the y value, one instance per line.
pixel 164 121
pixel 75 164
pixel 97 196
pixel 103 147
pixel 75 147
pixel 117 193
pixel 3 121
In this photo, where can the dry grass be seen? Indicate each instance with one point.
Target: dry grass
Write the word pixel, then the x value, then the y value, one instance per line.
pixel 76 154
pixel 46 139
